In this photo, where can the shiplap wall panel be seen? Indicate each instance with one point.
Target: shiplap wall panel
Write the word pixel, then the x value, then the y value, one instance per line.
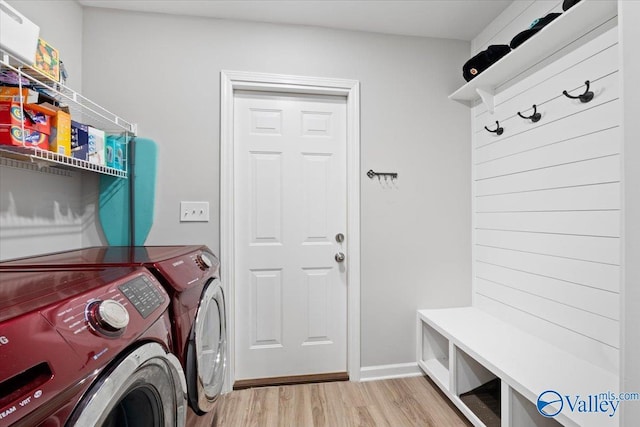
pixel 602 355
pixel 592 300
pixel 601 143
pixel 584 273
pixel 604 250
pixel 586 197
pixel 547 204
pixel 588 121
pixel 514 21
pixel 592 223
pixel 592 171
pixel 577 320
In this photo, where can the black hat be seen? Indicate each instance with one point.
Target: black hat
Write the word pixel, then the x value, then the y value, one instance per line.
pixel 536 26
pixel 484 60
pixel 567 4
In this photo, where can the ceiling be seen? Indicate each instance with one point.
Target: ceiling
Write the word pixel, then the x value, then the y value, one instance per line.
pixel 451 19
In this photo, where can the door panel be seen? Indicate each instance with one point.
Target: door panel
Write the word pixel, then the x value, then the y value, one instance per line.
pixel 266 197
pixel 266 294
pixel 317 289
pixel 290 195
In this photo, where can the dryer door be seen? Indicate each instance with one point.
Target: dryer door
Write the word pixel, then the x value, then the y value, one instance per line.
pixel 145 388
pixel 207 349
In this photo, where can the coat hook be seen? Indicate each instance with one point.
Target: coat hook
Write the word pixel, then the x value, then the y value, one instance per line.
pixel 534 117
pixel 584 98
pixel 498 131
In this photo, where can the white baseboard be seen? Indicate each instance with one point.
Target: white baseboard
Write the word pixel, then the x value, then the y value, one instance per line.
pixel 383 372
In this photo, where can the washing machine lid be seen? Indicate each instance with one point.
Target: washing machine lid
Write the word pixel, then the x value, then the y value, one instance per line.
pixel 23 291
pixel 104 256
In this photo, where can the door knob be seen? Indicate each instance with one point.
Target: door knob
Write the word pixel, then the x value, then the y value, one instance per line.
pixel 340 257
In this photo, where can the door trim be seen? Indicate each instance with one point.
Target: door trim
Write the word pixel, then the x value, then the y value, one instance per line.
pixel 231 81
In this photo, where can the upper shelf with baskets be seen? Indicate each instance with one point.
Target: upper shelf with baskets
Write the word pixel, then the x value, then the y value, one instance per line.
pixel 570 26
pixel 81 109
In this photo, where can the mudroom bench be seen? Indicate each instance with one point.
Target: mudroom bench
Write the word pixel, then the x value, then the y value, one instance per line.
pixel 494 372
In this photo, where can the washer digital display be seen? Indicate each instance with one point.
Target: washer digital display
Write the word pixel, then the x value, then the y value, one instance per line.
pixel 144 296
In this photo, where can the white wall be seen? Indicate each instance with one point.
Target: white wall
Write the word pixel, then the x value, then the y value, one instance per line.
pixel 41 212
pixel 630 300
pixel 163 73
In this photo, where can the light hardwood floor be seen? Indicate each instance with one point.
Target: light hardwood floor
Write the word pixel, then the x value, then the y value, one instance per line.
pixel 404 402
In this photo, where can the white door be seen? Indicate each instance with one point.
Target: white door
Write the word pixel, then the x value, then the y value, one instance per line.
pixel 290 194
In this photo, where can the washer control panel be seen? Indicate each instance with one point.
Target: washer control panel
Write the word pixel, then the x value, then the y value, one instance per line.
pixel 108 317
pixel 121 307
pixel 203 262
pixel 144 296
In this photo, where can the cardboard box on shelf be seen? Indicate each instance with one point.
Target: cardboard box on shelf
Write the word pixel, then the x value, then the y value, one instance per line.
pixel 31 118
pixel 13 135
pixel 60 137
pixel 96 146
pixel 79 141
pixel 10 93
pixel 47 60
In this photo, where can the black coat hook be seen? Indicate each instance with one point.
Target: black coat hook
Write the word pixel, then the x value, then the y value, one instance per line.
pixel 584 98
pixel 534 117
pixel 498 131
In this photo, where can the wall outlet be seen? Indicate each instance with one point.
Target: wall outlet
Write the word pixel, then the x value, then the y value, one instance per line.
pixel 194 211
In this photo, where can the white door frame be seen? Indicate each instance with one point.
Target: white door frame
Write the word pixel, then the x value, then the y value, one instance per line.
pixel 231 81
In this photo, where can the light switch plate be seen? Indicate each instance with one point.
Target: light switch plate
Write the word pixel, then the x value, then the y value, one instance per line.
pixel 194 211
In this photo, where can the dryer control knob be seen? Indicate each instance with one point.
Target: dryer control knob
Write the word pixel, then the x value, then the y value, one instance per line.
pixel 108 317
pixel 114 314
pixel 203 262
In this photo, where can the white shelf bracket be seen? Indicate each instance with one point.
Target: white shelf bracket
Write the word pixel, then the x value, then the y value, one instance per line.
pixel 487 98
pixel 41 164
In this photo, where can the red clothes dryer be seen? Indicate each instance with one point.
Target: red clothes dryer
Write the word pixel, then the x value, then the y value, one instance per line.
pixel 84 347
pixel 190 275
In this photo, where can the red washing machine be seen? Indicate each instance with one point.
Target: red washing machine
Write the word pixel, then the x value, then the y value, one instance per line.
pixel 190 275
pixel 87 347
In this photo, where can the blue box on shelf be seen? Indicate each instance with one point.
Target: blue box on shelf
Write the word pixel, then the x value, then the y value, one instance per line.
pixel 79 141
pixel 115 147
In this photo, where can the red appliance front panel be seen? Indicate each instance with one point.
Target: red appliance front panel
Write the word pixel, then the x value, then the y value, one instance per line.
pixel 49 353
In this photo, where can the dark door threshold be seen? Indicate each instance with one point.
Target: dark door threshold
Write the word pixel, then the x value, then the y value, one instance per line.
pixel 294 379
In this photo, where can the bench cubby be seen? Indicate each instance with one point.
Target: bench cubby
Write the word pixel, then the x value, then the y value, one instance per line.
pixel 524 413
pixel 435 354
pixel 461 349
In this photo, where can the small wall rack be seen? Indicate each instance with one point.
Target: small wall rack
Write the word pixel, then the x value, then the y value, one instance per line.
pixel 372 174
